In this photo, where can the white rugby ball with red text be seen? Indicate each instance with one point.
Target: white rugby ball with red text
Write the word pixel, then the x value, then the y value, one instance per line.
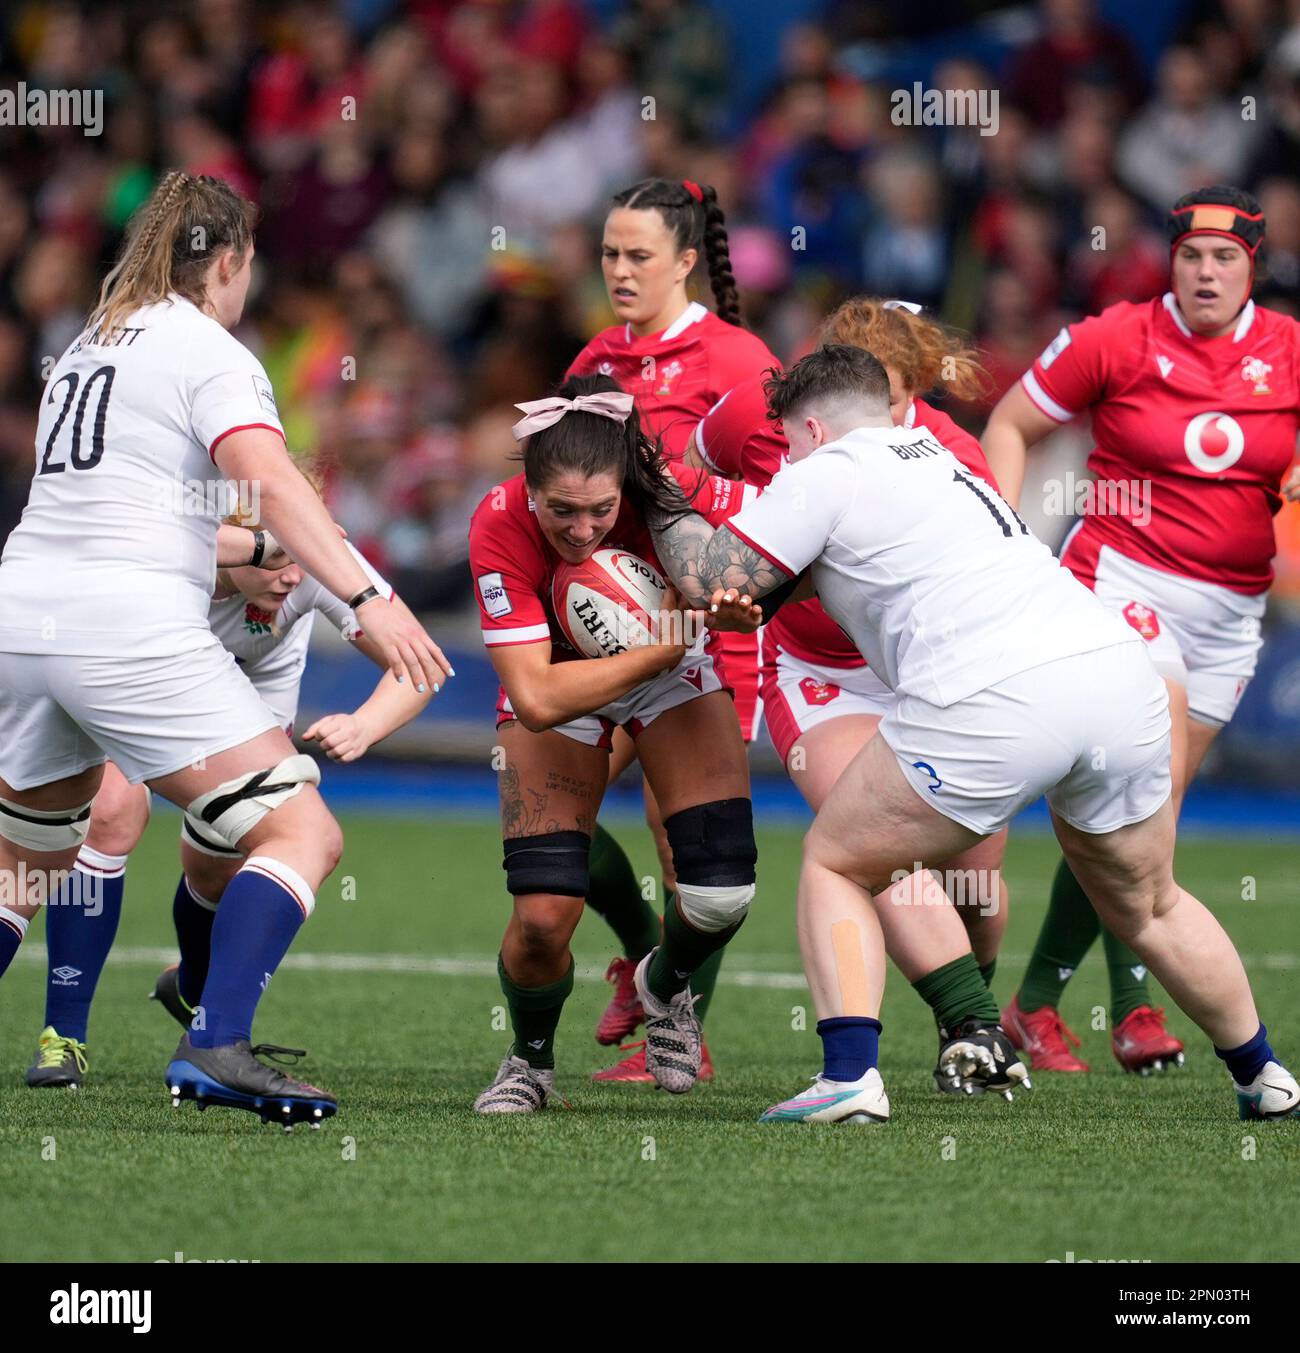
pixel 608 603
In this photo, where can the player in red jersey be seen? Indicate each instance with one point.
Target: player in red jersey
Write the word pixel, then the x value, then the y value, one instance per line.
pixel 1195 401
pixel 677 358
pixel 822 702
pixel 590 476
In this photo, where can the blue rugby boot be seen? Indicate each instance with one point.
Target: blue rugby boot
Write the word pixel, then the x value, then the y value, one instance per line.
pixel 232 1076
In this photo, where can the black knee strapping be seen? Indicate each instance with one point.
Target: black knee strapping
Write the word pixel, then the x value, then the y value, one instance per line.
pixel 713 843
pixel 553 863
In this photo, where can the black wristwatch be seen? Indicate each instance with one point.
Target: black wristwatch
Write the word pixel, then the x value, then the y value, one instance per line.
pixel 259 550
pixel 369 594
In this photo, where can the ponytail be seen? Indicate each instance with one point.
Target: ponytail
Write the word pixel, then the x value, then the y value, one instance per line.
pixel 169 244
pixel 717 254
pixel 696 221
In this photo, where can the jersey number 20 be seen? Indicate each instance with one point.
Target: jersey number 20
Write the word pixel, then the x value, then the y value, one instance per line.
pixel 104 375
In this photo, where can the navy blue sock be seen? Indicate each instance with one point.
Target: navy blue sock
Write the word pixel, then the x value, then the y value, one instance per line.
pixel 12 929
pixel 80 926
pixel 260 913
pixel 850 1044
pixel 1247 1061
pixel 192 916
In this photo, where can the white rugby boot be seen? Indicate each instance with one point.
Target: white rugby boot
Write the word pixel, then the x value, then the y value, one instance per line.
pixel 861 1101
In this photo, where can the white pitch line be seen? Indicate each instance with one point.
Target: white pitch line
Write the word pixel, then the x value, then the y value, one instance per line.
pixel 137 956
pixel 733 973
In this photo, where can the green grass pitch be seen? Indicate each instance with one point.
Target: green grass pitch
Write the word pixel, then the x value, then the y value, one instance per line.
pixel 1103 1166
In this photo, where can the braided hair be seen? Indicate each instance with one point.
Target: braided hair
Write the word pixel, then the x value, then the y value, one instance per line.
pixel 694 218
pixel 169 244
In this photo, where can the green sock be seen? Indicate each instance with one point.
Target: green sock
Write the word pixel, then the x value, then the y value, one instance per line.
pixel 703 980
pixel 956 992
pixel 705 977
pixel 534 1015
pixel 682 952
pixel 614 894
pixel 1128 978
pixel 1069 929
pixel 987 970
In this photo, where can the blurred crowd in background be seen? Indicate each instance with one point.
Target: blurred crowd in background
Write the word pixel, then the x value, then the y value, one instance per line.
pixel 433 176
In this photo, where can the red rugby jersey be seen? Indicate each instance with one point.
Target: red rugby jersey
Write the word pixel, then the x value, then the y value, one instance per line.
pixel 1193 435
pixel 676 376
pixel 513 562
pixel 736 437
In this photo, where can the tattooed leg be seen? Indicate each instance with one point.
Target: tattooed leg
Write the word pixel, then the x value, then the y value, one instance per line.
pixel 548 783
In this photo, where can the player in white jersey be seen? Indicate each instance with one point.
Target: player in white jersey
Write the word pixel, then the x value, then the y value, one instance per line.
pixel 264 618
pixel 105 648
pixel 997 655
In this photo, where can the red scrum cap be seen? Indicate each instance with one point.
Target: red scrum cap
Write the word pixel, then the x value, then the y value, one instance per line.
pixel 1218 210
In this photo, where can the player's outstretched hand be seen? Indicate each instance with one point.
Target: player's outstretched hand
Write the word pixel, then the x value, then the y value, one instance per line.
pixel 1291 489
pixel 407 649
pixel 732 610
pixel 342 736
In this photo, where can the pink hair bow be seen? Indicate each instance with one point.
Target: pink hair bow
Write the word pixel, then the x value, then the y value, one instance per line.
pixel 541 413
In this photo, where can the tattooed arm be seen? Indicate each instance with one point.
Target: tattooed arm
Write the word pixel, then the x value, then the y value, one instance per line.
pixel 701 560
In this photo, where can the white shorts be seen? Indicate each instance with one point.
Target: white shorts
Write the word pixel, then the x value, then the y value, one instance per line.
pixel 60 714
pixel 1205 637
pixel 693 677
pixel 1090 731
pixel 798 695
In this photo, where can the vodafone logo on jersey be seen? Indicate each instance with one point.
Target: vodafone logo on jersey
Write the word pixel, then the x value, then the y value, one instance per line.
pixel 818 692
pixel 1213 442
pixel 1143 619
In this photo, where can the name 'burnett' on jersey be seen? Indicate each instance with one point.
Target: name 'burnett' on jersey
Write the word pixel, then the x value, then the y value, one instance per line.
pixel 929 571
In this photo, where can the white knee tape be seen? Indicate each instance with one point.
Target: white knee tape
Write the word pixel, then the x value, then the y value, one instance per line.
pixel 35 829
pixel 231 810
pixel 713 909
pixel 196 834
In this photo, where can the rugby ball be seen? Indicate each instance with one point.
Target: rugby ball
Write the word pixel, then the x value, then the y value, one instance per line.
pixel 608 603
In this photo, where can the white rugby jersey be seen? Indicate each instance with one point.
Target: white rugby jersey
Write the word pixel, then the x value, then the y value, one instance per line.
pixel 116 550
pixel 274 662
pixel 933 576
